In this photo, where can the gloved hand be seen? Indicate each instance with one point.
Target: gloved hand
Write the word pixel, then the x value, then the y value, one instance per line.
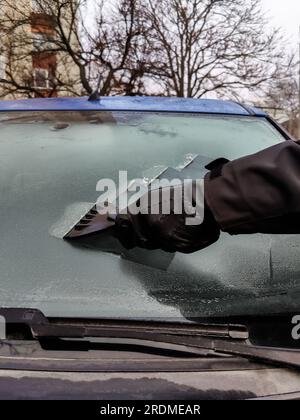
pixel 168 232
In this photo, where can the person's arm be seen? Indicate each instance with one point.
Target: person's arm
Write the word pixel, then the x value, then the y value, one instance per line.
pixel 258 193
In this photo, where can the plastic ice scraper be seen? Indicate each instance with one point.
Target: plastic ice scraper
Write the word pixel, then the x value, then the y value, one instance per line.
pixel 94 221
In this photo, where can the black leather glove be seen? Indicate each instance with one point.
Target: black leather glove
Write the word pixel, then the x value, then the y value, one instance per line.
pixel 168 232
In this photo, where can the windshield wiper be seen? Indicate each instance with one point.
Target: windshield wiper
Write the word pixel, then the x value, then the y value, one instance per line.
pixel 225 338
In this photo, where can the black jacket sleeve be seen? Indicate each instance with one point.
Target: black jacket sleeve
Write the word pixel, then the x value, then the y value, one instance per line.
pixel 258 193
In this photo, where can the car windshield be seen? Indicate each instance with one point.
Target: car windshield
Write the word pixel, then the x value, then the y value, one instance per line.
pixel 50 164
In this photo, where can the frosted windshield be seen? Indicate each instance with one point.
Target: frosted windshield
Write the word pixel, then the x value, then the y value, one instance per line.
pixel 50 163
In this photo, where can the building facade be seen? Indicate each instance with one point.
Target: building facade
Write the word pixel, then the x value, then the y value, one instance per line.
pixel 28 56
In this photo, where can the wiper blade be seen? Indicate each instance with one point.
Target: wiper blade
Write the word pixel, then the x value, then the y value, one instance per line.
pixel 42 326
pixel 216 338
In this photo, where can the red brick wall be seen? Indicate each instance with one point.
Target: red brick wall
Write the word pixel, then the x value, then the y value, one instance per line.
pixel 44 24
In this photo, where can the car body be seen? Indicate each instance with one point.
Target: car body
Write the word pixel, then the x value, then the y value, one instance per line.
pixel 53 152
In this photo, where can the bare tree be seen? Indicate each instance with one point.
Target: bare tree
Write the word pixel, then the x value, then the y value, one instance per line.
pixel 204 46
pixel 106 44
pixel 30 39
pixel 120 52
pixel 185 48
pixel 283 90
pixel 282 94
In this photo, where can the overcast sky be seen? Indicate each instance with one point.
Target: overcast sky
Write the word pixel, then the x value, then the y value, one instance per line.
pixel 285 13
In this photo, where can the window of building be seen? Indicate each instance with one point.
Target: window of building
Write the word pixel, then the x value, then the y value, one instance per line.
pixel 42 79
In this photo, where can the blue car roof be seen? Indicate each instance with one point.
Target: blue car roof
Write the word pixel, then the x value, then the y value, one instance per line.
pixel 123 103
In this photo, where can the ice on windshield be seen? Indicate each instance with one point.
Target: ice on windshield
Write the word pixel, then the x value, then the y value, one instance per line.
pixel 46 174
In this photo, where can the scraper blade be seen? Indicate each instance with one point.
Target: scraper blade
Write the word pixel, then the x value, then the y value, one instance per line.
pixel 93 221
